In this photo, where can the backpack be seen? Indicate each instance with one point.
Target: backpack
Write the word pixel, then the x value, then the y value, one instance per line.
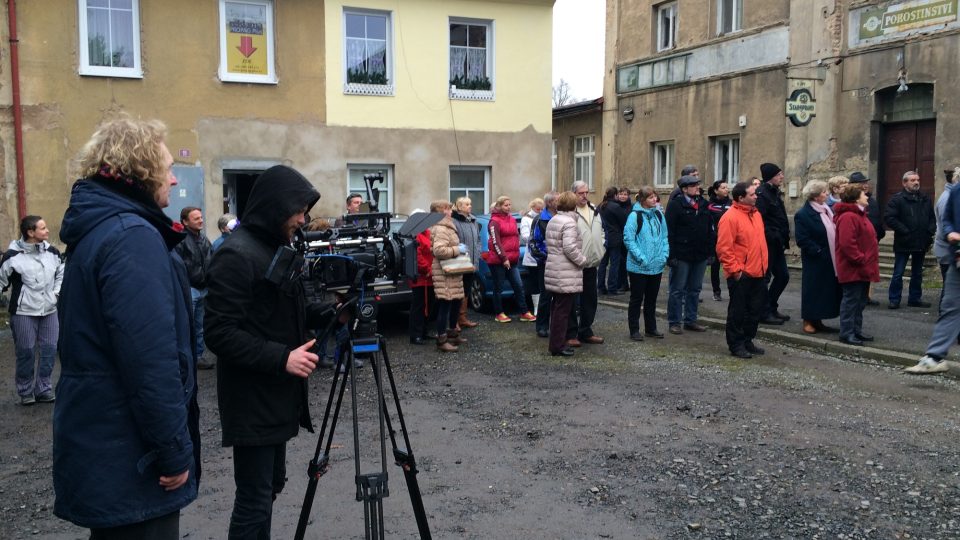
pixel 538 235
pixel 639 223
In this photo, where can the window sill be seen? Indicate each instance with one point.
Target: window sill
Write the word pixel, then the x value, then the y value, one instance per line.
pixel 471 95
pixel 119 73
pixel 360 89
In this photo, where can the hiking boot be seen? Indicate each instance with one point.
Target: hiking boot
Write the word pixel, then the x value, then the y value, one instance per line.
pixel 741 353
pixel 753 349
pixel 502 318
pixel 46 397
pixel 676 329
pixel 927 364
pixel 636 336
pixel 574 342
pixel 528 317
pixel 445 346
pixel 26 401
pixel 694 327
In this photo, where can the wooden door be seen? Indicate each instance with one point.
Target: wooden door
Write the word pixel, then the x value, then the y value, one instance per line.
pixel 907 147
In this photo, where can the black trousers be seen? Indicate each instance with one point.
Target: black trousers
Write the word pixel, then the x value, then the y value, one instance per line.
pixel 582 318
pixel 748 300
pixel 561 307
pixel 543 306
pixel 421 306
pixel 161 528
pixel 778 275
pixel 448 311
pixel 643 293
pixel 259 473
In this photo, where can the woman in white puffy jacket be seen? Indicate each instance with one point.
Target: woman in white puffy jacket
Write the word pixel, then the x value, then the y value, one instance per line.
pixel 33 270
pixel 563 273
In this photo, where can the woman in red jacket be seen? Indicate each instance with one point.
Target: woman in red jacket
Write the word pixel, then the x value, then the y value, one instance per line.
pixel 503 256
pixel 421 289
pixel 858 261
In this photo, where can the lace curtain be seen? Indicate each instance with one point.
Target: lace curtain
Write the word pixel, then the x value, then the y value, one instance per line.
pixel 366 55
pixel 468 63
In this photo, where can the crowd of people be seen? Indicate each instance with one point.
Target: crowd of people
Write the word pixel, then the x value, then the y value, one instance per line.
pixel 128 376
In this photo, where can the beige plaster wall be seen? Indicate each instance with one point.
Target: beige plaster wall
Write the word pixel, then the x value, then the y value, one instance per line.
pixel 180 57
pixel 692 115
pixel 519 162
pixel 564 131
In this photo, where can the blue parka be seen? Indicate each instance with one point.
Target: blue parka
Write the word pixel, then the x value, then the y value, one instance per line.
pixel 126 410
pixel 648 251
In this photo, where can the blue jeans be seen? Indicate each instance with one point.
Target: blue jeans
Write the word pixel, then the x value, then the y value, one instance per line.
pixel 29 332
pixel 916 276
pixel 947 329
pixel 513 274
pixel 686 280
pixel 197 296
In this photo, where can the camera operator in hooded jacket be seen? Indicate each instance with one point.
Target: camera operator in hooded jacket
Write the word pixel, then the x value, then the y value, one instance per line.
pixel 126 440
pixel 257 326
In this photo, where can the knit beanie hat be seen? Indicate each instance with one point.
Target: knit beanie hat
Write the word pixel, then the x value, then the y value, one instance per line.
pixel 768 171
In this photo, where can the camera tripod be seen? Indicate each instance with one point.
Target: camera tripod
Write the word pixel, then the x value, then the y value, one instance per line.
pixel 372 488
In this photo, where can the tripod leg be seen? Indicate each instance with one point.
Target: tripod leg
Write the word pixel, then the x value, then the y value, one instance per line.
pixel 404 458
pixel 319 464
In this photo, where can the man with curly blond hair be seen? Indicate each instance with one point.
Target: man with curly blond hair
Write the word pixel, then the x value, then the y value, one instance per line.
pixel 125 426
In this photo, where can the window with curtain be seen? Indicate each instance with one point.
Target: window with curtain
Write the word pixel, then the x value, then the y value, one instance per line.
pixel 470 55
pixel 471 182
pixel 727 158
pixel 110 38
pixel 663 164
pixel 355 183
pixel 583 158
pixel 666 26
pixel 729 16
pixel 367 50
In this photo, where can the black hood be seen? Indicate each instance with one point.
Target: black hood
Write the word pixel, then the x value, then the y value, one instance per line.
pixel 278 193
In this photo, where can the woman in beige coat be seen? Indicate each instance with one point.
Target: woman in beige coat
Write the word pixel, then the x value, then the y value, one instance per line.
pixel 448 288
pixel 563 274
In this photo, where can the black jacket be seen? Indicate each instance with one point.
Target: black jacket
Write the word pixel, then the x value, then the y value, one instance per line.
pixel 776 226
pixel 195 251
pixel 690 231
pixel 910 216
pixel 873 214
pixel 252 323
pixel 613 215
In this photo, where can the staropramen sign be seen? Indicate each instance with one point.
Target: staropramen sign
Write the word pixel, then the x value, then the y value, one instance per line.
pixel 904 16
pixel 801 107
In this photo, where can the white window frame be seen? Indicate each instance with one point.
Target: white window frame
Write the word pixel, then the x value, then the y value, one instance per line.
pixel 584 158
pixel 730 170
pixel 386 189
pixel 736 18
pixel 479 207
pixel 475 95
pixel 553 166
pixel 666 11
pixel 135 72
pixel 227 76
pixel 663 173
pixel 367 89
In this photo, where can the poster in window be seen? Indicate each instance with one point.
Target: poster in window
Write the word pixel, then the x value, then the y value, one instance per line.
pixel 246 34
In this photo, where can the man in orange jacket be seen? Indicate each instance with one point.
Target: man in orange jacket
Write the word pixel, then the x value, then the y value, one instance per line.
pixel 742 250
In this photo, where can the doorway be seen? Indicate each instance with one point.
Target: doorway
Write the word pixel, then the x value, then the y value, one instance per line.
pixel 237 184
pixel 907 140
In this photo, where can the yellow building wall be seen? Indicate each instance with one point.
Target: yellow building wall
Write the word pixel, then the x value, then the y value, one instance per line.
pixel 420 44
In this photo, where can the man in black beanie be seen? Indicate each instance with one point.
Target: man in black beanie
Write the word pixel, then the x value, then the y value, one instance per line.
pixel 777 233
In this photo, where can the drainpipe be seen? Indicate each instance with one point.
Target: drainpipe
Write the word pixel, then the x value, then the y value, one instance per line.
pixel 17 114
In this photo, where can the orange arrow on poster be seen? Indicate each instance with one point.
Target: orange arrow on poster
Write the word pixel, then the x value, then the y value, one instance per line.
pixel 246 47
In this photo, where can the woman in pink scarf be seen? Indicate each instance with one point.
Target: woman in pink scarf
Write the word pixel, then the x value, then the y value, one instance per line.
pixel 816 236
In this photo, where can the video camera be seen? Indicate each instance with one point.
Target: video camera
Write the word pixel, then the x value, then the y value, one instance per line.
pixel 363 254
